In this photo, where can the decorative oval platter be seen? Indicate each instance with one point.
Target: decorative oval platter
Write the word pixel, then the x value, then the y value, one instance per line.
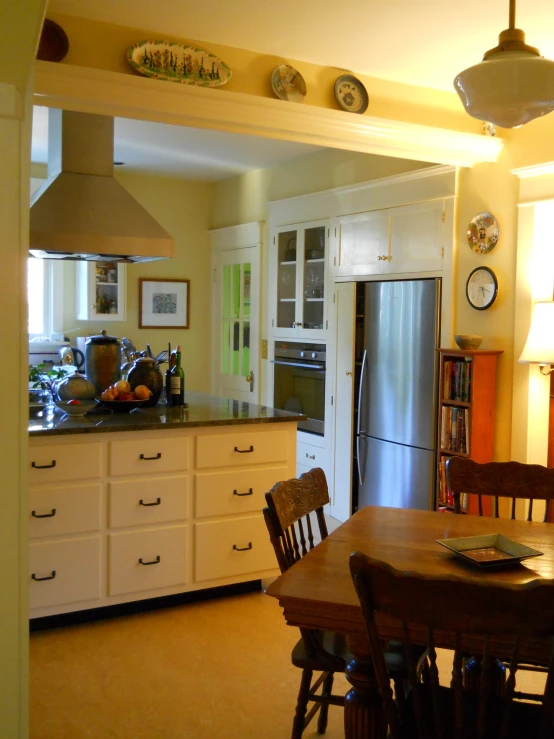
pixel 482 233
pixel 350 94
pixel 163 60
pixel 288 83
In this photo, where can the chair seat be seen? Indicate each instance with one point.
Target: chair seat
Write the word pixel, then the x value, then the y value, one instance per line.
pixel 335 645
pixel 524 720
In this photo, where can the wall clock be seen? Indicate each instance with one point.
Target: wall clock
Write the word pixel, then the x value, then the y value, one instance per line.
pixel 481 288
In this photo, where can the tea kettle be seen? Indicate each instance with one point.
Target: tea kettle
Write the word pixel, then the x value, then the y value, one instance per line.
pixel 102 360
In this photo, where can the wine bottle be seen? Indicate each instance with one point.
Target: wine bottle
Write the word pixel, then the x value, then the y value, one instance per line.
pixel 175 382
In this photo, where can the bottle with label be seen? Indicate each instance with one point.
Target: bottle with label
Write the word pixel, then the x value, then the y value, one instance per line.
pixel 175 382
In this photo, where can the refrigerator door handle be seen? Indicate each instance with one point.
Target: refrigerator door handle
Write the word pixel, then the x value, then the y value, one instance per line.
pixel 360 478
pixel 360 390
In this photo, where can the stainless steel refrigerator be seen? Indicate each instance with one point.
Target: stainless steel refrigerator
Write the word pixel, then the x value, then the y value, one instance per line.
pixel 396 430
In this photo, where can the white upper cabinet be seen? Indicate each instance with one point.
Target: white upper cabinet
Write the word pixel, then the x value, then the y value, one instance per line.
pixel 416 237
pixel 100 291
pixel 362 243
pixel 299 263
pixel 408 238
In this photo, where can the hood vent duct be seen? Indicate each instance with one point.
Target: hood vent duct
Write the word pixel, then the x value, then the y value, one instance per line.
pixel 82 212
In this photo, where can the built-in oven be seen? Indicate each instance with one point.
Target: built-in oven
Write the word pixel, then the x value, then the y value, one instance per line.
pixel 299 382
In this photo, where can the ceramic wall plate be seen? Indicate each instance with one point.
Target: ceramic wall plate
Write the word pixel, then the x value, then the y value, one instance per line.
pixel 163 60
pixel 482 233
pixel 288 84
pixel 53 44
pixel 350 94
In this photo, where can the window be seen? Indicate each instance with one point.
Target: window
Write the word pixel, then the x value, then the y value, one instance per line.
pixel 44 296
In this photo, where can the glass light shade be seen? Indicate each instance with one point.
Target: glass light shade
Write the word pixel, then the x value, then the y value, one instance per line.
pixel 508 88
pixel 539 347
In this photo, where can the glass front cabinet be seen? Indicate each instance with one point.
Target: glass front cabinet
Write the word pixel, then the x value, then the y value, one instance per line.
pixel 300 261
pixel 100 291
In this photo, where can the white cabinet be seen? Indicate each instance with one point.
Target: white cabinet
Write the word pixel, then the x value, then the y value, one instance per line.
pixel 299 264
pixel 362 243
pixel 136 515
pixel 408 238
pixel 100 291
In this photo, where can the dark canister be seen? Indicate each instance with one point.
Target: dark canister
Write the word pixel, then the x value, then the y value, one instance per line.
pixel 102 360
pixel 145 371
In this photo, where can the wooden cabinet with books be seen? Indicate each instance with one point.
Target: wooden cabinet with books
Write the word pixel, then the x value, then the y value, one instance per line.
pixel 467 396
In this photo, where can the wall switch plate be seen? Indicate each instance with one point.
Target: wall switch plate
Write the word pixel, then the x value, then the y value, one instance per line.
pixel 264 348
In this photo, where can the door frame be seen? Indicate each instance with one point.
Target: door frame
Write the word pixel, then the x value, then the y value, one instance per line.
pixel 247 235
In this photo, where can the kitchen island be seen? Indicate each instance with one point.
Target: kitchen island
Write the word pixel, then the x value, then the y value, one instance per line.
pixel 161 501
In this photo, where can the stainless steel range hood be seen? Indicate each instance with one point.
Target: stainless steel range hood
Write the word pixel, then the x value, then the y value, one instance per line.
pixel 82 212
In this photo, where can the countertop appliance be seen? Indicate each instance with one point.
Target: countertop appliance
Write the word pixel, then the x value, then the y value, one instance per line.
pixel 299 382
pixel 396 427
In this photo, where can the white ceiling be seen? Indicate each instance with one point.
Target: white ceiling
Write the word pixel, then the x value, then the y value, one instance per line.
pixel 423 42
pixel 177 151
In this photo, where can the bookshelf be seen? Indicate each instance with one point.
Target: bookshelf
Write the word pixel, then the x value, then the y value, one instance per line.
pixel 467 397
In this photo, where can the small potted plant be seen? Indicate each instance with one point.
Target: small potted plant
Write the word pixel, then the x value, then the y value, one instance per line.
pixel 43 379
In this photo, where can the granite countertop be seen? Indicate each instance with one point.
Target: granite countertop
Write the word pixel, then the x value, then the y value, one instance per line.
pixel 202 410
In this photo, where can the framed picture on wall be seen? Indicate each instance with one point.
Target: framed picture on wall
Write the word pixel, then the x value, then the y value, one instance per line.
pixel 163 303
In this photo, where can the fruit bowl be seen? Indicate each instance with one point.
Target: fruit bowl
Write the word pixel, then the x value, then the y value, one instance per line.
pixel 122 406
pixel 75 409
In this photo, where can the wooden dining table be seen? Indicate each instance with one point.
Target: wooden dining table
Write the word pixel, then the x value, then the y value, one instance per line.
pixel 317 592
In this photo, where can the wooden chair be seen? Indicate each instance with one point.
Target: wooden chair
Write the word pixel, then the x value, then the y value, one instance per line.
pixel 482 618
pixel 292 533
pixel 500 480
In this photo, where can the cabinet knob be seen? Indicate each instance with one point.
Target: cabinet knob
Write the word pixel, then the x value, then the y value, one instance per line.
pixel 310 456
pixel 348 373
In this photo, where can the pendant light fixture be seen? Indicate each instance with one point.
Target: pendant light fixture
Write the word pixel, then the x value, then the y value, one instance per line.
pixel 512 85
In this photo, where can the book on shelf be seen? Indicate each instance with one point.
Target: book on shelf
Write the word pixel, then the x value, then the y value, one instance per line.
pixel 455 429
pixel 457 379
pixel 446 497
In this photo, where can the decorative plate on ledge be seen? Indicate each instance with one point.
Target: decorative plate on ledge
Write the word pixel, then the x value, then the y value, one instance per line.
pixel 163 60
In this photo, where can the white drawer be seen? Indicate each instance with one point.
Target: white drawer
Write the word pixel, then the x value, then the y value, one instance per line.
pixel 238 546
pixel 154 500
pixel 310 456
pixel 147 455
pixel 71 571
pixel 56 511
pixel 237 491
pixel 241 448
pixel 52 463
pixel 165 548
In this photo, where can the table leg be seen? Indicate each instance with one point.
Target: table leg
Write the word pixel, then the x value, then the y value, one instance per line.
pixel 364 717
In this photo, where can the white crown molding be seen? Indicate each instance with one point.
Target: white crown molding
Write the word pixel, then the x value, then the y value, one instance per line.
pixel 11 101
pixel 535 170
pixel 236 237
pixel 111 93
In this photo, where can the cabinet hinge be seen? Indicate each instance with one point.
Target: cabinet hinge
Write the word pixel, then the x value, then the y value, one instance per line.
pixel 332 400
pixel 443 216
pixel 328 232
pixel 215 276
pixel 274 239
pixel 334 295
pixel 272 323
pixel 335 232
pixel 334 261
pixel 443 251
pixel 326 324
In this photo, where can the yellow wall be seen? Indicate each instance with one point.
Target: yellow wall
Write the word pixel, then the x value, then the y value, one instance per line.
pixel 182 208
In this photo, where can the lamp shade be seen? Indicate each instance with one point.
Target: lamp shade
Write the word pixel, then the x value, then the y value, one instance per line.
pixel 508 88
pixel 539 347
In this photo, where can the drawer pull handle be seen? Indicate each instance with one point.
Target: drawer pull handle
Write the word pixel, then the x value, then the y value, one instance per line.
pixel 240 495
pixel 44 466
pixel 43 515
pixel 154 561
pixel 242 549
pixel 40 579
pixel 310 456
pixel 158 501
pixel 146 459
pixel 244 451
